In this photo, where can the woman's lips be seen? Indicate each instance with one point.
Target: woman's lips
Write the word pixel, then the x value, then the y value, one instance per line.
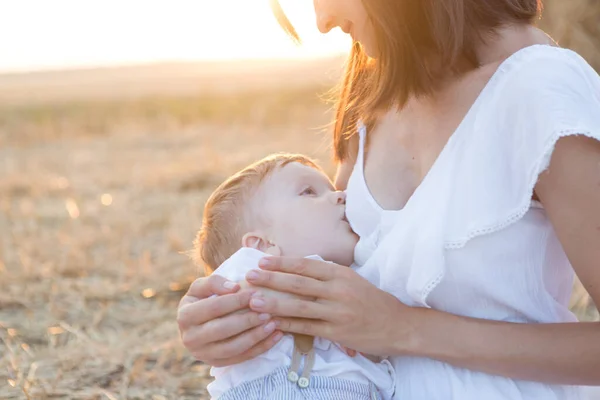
pixel 346 27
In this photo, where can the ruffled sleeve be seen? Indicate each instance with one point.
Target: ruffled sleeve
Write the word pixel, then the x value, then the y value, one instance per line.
pixel 549 95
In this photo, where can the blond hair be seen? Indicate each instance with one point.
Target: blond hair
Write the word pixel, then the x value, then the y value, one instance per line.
pixel 225 222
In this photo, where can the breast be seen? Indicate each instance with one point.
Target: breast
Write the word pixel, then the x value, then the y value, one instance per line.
pixel 519 274
pixel 361 211
pixel 364 209
pixel 390 172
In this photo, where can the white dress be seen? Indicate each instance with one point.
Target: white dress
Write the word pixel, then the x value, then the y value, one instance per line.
pixel 470 241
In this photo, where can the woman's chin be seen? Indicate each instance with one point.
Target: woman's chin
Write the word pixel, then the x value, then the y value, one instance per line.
pixel 371 53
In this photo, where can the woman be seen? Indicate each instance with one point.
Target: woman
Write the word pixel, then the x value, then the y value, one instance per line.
pixel 478 194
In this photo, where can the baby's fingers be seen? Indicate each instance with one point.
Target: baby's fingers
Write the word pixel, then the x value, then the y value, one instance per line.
pixel 349 351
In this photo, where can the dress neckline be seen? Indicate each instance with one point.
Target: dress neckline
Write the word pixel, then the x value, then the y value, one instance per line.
pixel 500 71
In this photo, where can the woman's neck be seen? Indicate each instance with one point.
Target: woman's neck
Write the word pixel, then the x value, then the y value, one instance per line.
pixel 507 40
pixel 497 47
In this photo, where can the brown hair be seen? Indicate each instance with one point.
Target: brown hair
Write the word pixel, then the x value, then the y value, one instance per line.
pixel 225 221
pixel 420 42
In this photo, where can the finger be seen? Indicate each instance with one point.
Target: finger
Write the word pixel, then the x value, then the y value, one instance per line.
pixel 349 351
pixel 315 269
pixel 205 287
pixel 185 300
pixel 258 349
pixel 311 327
pixel 221 329
pixel 241 343
pixel 289 283
pixel 192 338
pixel 200 312
pixel 297 308
pixel 232 325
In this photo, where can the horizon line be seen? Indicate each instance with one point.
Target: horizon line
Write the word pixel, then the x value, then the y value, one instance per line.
pixel 73 67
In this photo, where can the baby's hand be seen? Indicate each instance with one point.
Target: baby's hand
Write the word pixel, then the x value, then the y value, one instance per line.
pixel 352 353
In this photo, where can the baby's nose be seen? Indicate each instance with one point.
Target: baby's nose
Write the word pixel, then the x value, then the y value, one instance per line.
pixel 339 197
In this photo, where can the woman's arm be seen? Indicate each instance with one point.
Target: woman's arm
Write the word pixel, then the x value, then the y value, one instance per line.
pixel 562 353
pixel 553 353
pixel 356 314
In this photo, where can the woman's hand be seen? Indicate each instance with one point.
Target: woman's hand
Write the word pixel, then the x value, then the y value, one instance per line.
pixel 348 309
pixel 212 331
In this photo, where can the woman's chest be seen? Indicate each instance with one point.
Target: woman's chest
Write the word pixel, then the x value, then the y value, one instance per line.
pixel 399 152
pixel 405 144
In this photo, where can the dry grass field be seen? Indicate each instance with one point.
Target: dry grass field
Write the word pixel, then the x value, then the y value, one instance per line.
pixel 102 189
pixel 103 176
pixel 575 24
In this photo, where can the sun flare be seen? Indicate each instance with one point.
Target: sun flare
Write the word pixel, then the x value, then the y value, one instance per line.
pixel 72 33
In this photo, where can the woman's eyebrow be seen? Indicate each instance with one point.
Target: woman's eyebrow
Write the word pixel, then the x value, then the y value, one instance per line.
pixel 283 21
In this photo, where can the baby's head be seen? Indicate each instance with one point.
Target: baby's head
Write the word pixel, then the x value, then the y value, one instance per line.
pixel 284 205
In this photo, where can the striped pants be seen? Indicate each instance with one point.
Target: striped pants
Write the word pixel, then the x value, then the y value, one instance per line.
pixel 276 386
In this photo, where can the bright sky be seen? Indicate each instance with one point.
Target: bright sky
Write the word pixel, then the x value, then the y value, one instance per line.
pixel 39 34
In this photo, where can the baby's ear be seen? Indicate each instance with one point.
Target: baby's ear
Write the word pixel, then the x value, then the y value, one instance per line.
pixel 258 241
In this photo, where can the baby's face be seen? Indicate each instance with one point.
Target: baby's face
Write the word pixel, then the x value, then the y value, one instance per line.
pixel 305 215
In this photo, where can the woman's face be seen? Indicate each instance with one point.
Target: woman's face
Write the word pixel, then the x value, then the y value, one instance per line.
pixel 351 17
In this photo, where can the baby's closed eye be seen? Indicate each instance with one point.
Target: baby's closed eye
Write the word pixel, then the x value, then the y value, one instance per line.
pixel 308 191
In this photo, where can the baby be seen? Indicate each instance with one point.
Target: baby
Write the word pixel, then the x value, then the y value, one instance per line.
pixel 285 205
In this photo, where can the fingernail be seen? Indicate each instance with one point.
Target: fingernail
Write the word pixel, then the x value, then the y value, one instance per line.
pixel 265 262
pixel 277 336
pixel 229 285
pixel 264 317
pixel 256 302
pixel 277 323
pixel 270 327
pixel 252 275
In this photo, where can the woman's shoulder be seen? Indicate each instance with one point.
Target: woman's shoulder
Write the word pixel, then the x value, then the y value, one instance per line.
pixel 539 91
pixel 540 70
pixel 543 94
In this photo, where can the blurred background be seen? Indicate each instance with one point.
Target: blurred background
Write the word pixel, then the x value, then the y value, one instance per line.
pixel 117 119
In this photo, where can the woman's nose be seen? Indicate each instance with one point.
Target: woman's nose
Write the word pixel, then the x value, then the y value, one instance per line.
pixel 325 21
